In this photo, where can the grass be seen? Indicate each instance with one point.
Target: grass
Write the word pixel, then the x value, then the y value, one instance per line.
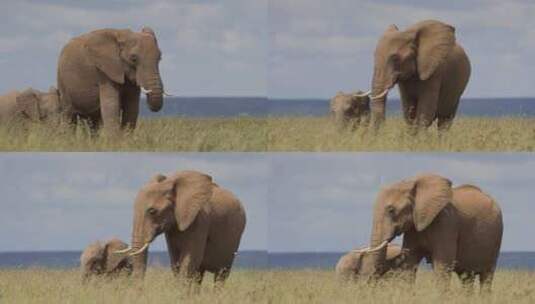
pixel 277 134
pixel 304 286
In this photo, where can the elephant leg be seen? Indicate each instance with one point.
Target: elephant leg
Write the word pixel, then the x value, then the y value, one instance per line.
pixel 467 281
pixel 221 276
pixel 198 281
pixel 427 106
pixel 485 281
pixel 173 249
pixel 130 103
pixel 193 245
pixel 110 105
pixel 444 124
pixel 408 104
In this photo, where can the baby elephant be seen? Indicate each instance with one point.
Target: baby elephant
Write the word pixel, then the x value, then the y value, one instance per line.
pixel 100 259
pixel 348 265
pixel 350 109
pixel 29 104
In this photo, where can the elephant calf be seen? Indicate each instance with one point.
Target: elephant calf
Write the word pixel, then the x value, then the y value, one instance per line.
pixel 348 265
pixel 100 259
pixel 350 109
pixel 29 104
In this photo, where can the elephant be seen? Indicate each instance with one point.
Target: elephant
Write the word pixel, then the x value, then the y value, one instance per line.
pixel 350 109
pixel 101 74
pixel 431 69
pixel 29 104
pixel 348 266
pixel 202 222
pixel 100 259
pixel 455 228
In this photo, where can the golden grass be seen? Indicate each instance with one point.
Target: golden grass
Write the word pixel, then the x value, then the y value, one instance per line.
pixel 277 134
pixel 305 286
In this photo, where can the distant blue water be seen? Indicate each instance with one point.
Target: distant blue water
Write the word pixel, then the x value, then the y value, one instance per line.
pixel 263 107
pixel 244 260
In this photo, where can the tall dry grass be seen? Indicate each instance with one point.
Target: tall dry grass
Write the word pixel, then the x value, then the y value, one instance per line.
pixel 276 134
pixel 305 286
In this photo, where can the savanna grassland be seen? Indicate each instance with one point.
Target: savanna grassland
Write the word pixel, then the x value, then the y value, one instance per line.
pixel 276 134
pixel 305 286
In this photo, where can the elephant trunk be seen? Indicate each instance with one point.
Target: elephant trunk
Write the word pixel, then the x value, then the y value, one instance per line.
pixel 154 90
pixel 373 262
pixel 139 260
pixel 378 97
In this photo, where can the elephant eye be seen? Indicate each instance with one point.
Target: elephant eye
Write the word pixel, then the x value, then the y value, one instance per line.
pixel 151 211
pixel 133 58
pixel 391 210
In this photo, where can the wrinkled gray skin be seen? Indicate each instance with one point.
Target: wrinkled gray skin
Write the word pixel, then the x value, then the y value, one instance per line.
pixel 430 68
pixel 348 110
pixel 202 223
pixel 458 229
pixel 99 259
pixel 29 104
pixel 101 73
pixel 349 265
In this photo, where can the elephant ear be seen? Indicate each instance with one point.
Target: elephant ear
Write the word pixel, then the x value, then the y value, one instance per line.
pixel 431 194
pixel 435 41
pixel 93 257
pixel 192 191
pixel 28 104
pixel 112 259
pixel 363 101
pixel 104 52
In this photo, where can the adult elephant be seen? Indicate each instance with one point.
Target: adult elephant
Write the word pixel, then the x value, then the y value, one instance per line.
pixel 29 104
pixel 456 229
pixel 202 223
pixel 430 68
pixel 101 73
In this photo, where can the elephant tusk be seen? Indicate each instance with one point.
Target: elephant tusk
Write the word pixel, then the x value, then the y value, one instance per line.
pixel 140 250
pixel 381 246
pixel 167 95
pixel 145 91
pixel 383 94
pixel 123 250
pixel 362 94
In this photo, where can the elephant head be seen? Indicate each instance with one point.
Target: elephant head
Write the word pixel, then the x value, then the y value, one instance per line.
pixel 37 105
pixel 402 55
pixel 100 259
pixel 123 55
pixel 410 205
pixel 164 204
pixel 349 265
pixel 346 107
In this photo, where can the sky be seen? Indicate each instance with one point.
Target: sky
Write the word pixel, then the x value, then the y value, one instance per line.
pixel 209 48
pixel 278 48
pixel 294 201
pixel 323 201
pixel 64 201
pixel 317 49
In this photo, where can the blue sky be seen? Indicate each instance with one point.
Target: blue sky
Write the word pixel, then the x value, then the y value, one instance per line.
pixel 318 47
pixel 210 48
pixel 294 201
pixel 298 48
pixel 64 201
